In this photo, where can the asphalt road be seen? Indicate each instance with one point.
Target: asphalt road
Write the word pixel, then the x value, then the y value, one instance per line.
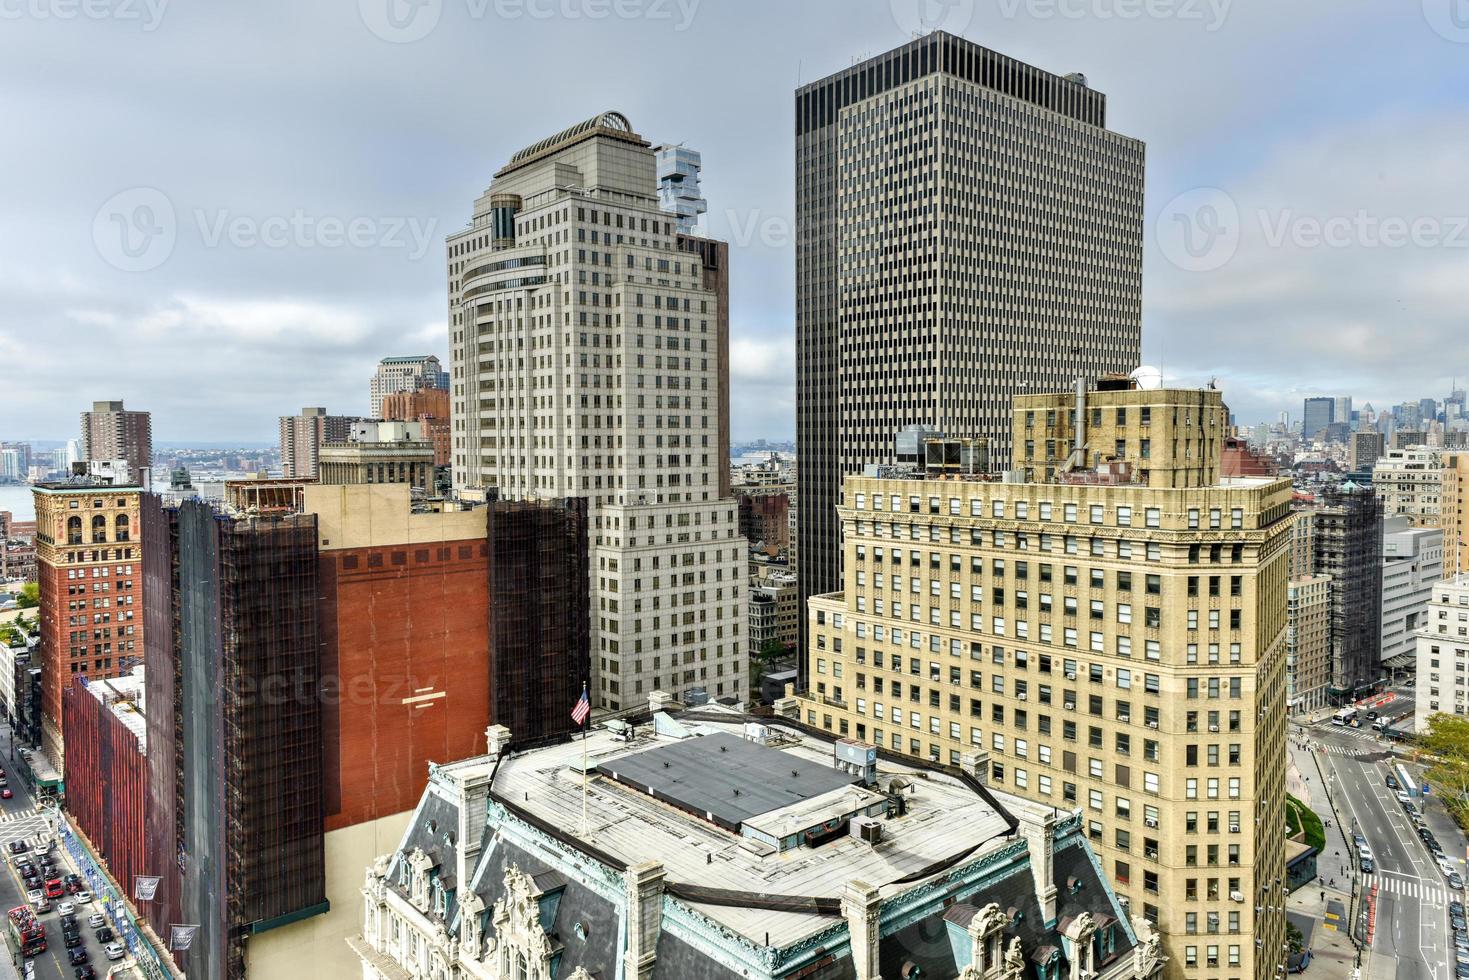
pixel 1412 901
pixel 19 820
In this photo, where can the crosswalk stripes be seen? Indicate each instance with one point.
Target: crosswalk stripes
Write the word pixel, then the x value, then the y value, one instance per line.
pixel 1412 888
pixel 11 816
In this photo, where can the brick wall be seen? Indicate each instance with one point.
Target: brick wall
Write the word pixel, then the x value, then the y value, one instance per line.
pixel 404 632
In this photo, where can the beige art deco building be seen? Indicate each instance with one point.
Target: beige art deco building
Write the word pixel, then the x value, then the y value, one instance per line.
pixel 1117 648
pixel 1308 642
pixel 589 358
pixel 1409 482
pixel 1454 513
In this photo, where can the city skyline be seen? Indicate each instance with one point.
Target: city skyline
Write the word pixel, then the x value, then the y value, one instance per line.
pixel 262 282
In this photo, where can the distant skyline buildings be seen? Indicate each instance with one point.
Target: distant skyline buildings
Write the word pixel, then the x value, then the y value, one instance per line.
pixel 395 374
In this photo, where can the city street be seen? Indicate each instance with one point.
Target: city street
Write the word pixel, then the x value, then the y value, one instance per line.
pixel 20 820
pixel 1412 901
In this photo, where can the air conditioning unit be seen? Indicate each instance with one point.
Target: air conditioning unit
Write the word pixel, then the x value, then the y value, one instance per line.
pixel 1150 822
pixel 1152 724
pixel 1214 728
pixel 1020 697
pixel 1234 828
pixel 1071 675
pixel 1237 897
pixel 867 829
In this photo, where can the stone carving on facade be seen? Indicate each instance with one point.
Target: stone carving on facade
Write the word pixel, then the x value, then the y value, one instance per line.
pixel 419 864
pixel 1147 955
pixel 1014 959
pixel 471 934
pixel 580 973
pixel 986 933
pixel 517 918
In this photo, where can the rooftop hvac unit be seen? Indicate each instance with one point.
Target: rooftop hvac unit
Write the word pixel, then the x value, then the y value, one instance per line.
pixel 857 758
pixel 867 829
pixel 757 733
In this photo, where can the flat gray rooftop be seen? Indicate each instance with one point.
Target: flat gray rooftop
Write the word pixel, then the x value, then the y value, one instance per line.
pixel 725 778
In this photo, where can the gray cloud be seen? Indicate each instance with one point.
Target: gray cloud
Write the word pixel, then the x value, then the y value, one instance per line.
pixel 274 116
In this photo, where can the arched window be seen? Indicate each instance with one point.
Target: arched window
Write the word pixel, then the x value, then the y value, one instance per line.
pixel 122 527
pixel 73 530
pixel 99 529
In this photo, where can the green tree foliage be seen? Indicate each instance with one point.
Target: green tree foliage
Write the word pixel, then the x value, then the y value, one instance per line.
pixel 1447 742
pixel 30 596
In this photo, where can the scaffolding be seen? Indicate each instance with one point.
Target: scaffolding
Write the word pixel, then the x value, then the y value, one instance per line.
pixel 539 618
pixel 247 730
pixel 1348 547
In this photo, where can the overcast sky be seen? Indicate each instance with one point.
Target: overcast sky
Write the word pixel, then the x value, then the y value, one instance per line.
pixel 223 211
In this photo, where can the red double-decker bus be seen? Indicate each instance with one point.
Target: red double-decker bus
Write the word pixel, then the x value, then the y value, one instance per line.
pixel 26 932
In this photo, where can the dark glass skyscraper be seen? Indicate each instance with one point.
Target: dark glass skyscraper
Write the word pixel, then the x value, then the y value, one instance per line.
pixel 968 229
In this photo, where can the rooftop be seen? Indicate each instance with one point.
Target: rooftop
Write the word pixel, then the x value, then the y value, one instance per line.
pixel 125 696
pixel 707 760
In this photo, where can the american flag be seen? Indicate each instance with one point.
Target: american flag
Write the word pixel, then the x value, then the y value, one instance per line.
pixel 582 710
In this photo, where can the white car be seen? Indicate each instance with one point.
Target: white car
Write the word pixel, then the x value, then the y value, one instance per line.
pixel 66 908
pixel 83 898
pixel 35 895
pixel 114 951
pixel 96 920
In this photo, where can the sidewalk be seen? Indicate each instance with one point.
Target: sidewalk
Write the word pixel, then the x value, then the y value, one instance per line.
pixel 1334 955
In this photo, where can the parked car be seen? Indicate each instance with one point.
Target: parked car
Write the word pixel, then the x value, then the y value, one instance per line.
pixel 85 972
pixel 1456 907
pixel 1457 921
pixel 114 951
pixel 96 920
pixel 105 935
pixel 1391 781
pixel 1456 881
pixel 78 956
pixel 1366 865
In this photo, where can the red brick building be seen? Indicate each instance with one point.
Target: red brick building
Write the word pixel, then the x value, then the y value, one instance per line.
pixel 107 770
pixel 404 632
pixel 430 408
pixel 89 566
pixel 765 517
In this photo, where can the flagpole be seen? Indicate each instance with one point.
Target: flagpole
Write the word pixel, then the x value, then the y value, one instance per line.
pixel 586 829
